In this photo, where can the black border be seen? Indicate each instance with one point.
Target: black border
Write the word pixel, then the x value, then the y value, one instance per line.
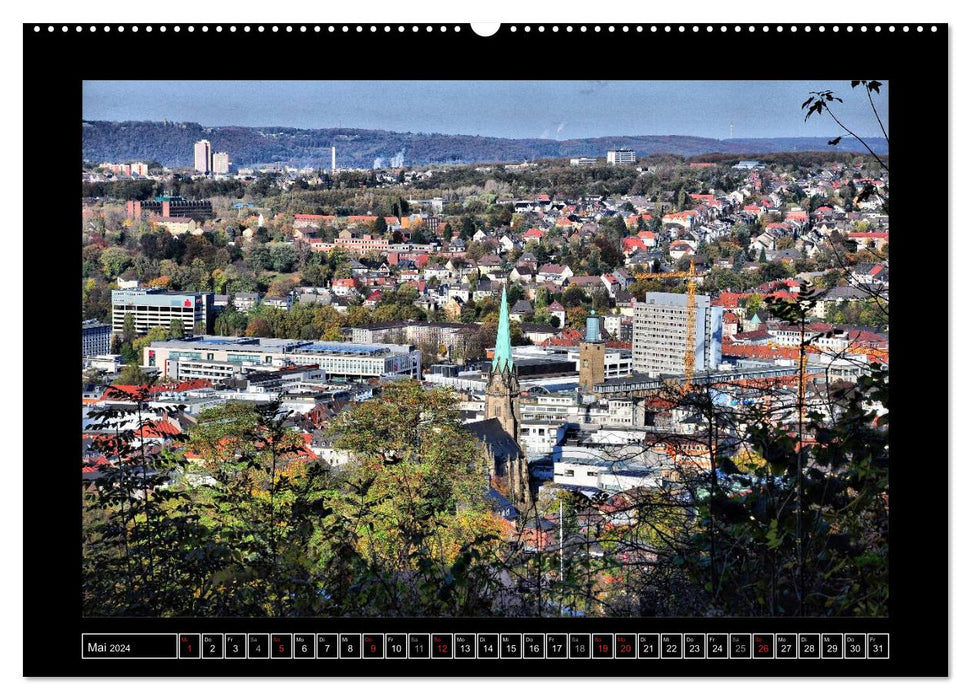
pixel 914 62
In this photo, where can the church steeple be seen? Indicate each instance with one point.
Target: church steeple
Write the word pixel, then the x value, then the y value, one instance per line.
pixel 502 404
pixel 502 389
pixel 502 360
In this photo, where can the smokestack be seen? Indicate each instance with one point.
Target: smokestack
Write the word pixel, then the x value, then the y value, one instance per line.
pixel 333 159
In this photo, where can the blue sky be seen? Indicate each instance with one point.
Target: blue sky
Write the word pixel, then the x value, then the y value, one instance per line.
pixel 514 109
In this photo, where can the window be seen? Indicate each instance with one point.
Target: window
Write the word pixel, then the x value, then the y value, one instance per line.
pixel 568 472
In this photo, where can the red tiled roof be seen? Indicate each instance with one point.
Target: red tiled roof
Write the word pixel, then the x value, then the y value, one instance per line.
pixel 158 429
pixel 125 391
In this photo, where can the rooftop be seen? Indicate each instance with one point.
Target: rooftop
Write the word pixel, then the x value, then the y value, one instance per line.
pixel 281 345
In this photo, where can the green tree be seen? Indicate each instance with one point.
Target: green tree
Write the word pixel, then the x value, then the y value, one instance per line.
pixel 175 328
pixel 114 261
pixel 133 375
pixel 260 498
pixel 416 504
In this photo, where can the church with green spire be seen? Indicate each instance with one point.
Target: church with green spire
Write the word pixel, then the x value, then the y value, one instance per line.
pixel 499 429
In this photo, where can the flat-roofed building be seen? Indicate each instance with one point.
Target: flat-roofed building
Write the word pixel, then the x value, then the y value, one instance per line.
pixel 621 156
pixel 221 357
pixel 220 163
pixel 158 307
pixel 202 152
pixel 170 205
pixel 95 338
pixel 661 334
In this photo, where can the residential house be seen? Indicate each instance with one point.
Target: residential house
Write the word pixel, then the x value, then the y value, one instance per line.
pixel 343 287
pixel 877 240
pixel 557 274
pixel 520 310
pixel 488 264
pixel 245 301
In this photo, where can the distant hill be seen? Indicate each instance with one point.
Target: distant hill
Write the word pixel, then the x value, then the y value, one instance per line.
pixel 170 143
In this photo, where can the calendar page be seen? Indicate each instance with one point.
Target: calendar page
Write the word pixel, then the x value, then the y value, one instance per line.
pixel 561 350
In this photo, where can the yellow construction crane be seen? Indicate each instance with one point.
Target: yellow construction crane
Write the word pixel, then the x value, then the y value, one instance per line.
pixel 689 350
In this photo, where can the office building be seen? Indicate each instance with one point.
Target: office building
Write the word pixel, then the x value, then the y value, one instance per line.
pixel 661 334
pixel 223 357
pixel 158 307
pixel 95 338
pixel 220 163
pixel 169 206
pixel 203 156
pixel 621 156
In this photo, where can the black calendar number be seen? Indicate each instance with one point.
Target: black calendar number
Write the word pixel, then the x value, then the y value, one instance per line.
pixel 303 646
pixel 533 646
pixel 258 646
pixel 717 646
pixel 212 646
pixel 350 646
pixel 670 646
pixel 855 646
pixel 397 646
pixel 235 646
pixel 326 646
pixel 418 646
pixel 465 646
pixel 648 646
pixel 511 646
pixel 694 646
pixel 740 646
pixel 808 646
pixel 786 646
pixel 831 646
pixel 579 646
pixel 878 646
pixel 556 646
pixel 488 646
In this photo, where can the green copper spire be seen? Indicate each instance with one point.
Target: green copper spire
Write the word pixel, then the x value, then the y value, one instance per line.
pixel 503 357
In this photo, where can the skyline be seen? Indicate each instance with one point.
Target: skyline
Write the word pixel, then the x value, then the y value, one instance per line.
pixel 559 110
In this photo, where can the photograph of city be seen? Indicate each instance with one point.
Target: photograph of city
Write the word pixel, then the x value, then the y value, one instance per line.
pixel 533 349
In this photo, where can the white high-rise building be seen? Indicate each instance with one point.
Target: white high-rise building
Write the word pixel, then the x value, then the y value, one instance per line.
pixel 203 153
pixel 220 163
pixel 621 156
pixel 661 333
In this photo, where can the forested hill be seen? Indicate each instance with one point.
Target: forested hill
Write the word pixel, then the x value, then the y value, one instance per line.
pixel 171 143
